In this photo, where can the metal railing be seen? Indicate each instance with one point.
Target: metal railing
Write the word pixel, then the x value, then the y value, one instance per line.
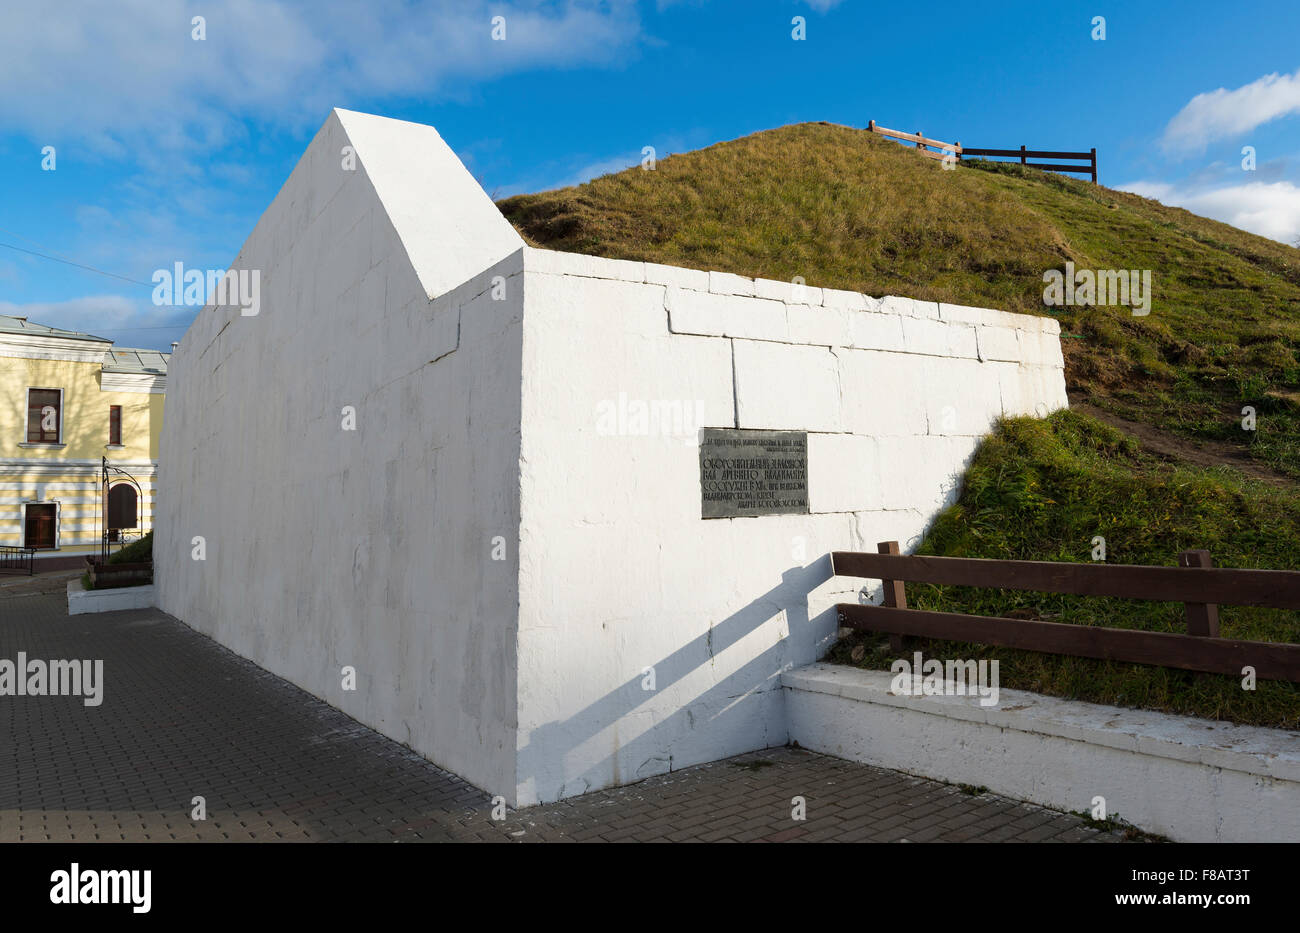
pixel 17 560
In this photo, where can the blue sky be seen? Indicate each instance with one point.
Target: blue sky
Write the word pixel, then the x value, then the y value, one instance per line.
pixel 168 149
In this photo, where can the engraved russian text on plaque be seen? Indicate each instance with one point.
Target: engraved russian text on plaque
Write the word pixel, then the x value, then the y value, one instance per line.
pixel 745 473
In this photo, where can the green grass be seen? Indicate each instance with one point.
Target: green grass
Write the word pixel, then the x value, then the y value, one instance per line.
pixel 846 209
pixel 135 552
pixel 1117 824
pixel 1042 490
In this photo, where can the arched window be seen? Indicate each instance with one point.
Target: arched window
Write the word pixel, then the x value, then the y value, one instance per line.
pixel 122 507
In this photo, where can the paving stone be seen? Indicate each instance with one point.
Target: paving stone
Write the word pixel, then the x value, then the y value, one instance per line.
pixel 184 717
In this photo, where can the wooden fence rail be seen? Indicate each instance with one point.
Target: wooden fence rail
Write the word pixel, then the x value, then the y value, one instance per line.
pixel 1195 582
pixel 957 152
pixel 950 151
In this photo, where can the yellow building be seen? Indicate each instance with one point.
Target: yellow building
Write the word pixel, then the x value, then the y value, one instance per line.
pixel 73 400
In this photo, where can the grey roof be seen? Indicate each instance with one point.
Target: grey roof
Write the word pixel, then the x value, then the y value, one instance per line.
pixel 20 325
pixel 117 360
pixel 127 360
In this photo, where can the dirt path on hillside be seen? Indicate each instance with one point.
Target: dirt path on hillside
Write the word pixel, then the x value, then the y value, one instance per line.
pixel 1202 453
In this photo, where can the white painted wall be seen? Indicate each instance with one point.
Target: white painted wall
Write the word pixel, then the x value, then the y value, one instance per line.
pixel 479 418
pixel 448 226
pixel 371 548
pixel 1185 778
pixel 619 573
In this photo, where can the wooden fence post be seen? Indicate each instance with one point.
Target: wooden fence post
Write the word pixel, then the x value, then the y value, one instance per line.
pixel 894 592
pixel 920 145
pixel 1094 165
pixel 1022 156
pixel 871 126
pixel 1202 618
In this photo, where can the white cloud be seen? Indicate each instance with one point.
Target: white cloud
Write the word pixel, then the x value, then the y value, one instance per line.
pixel 1155 190
pixel 1270 209
pixel 128 76
pixel 821 6
pixel 553 175
pixel 128 322
pixel 1222 113
pixel 126 81
pixel 603 167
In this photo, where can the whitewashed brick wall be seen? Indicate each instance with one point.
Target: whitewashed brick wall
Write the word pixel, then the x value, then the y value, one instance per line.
pixel 618 571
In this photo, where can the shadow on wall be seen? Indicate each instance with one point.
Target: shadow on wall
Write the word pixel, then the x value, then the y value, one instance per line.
pixel 621 738
pixel 695 726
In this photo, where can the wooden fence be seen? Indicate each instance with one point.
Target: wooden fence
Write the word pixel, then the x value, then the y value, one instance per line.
pixel 951 151
pixel 956 152
pixel 1195 582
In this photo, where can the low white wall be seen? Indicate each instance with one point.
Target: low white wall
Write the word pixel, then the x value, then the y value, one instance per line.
pixel 618 571
pixel 1188 779
pixel 82 601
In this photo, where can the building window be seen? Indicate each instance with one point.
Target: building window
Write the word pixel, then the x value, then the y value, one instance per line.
pixel 44 416
pixel 115 425
pixel 38 531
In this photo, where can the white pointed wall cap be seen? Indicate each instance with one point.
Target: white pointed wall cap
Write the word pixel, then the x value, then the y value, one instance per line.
pixel 449 226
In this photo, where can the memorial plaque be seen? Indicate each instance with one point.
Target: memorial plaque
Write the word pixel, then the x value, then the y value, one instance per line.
pixel 753 472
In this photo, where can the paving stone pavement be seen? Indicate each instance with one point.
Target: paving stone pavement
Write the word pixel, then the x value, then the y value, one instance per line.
pixel 184 717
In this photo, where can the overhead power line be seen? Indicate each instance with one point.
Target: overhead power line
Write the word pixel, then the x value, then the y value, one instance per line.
pixel 69 262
